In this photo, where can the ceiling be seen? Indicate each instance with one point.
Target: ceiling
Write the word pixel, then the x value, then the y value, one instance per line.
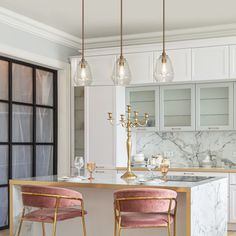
pixel 140 16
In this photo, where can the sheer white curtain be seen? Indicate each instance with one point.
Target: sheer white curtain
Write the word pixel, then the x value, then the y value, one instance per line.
pixel 44 87
pixel 22 123
pixel 21 161
pixel 4 80
pixel 44 160
pixel 44 125
pixel 22 83
pixel 3 164
pixel 4 207
pixel 3 122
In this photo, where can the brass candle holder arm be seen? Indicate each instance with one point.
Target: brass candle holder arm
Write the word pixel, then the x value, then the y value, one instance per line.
pixel 141 123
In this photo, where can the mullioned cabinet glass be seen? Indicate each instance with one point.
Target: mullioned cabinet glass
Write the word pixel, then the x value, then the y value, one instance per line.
pixel 145 100
pixel 177 107
pixel 214 106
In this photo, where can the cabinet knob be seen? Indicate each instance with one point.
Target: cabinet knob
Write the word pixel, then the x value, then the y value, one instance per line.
pixel 176 129
pixel 213 128
pixel 100 167
pixel 100 171
pixel 189 173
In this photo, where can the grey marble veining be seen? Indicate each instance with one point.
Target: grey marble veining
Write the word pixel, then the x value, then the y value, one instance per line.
pixel 189 148
pixel 209 209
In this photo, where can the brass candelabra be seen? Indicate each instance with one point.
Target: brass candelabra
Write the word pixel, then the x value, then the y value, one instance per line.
pixel 129 123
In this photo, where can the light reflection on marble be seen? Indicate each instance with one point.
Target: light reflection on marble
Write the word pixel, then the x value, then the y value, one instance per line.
pixel 189 148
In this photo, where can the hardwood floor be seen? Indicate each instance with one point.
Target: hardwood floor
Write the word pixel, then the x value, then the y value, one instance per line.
pixel 5 233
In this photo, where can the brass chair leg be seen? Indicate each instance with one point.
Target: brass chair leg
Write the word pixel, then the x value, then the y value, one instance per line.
pixel 115 228
pixel 84 226
pixel 54 228
pixel 175 226
pixel 43 229
pixel 119 229
pixel 169 229
pixel 21 222
pixel 19 230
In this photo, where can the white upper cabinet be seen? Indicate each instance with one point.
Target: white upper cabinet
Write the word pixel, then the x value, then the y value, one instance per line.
pixel 181 61
pixel 145 100
pixel 141 66
pixel 214 106
pixel 210 63
pixel 101 68
pixel 177 107
pixel 232 61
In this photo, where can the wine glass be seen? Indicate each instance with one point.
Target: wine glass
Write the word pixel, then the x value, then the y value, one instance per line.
pixel 164 168
pixel 91 166
pixel 79 163
pixel 151 165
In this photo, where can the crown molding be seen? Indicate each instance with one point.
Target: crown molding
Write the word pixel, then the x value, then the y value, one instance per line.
pixel 171 36
pixel 44 31
pixel 39 29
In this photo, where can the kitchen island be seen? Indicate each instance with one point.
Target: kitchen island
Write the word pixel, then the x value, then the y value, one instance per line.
pixel 202 205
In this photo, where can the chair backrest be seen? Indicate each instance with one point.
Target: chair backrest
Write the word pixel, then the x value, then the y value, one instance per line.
pixel 44 201
pixel 150 203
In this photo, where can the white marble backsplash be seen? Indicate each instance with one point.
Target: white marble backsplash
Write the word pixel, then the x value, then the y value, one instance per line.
pixel 189 148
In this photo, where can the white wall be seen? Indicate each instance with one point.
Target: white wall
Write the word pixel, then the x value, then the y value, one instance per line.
pixel 26 46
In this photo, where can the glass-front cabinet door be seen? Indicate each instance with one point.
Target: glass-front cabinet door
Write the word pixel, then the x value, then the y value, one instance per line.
pixel 145 100
pixel 214 106
pixel 177 108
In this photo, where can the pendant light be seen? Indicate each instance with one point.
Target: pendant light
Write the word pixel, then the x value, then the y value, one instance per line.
pixel 82 75
pixel 121 72
pixel 164 70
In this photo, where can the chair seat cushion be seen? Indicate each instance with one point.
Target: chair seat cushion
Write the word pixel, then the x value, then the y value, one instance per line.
pixel 47 215
pixel 142 220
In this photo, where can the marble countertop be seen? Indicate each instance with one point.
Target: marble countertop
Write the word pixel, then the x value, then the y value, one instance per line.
pixel 111 181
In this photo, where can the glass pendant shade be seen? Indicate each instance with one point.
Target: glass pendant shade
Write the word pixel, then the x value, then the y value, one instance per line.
pixel 164 70
pixel 121 72
pixel 81 73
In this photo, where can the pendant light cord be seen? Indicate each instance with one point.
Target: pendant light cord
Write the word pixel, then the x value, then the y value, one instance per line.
pixel 164 25
pixel 121 28
pixel 82 30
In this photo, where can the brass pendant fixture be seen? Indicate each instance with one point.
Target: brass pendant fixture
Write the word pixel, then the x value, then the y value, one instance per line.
pixel 121 72
pixel 81 73
pixel 164 70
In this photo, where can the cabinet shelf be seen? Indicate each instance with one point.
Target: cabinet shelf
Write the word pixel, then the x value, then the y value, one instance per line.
pixel 177 100
pixel 142 101
pixel 175 115
pixel 214 114
pixel 212 99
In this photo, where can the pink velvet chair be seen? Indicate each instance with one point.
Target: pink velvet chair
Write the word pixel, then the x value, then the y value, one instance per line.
pixel 52 205
pixel 145 208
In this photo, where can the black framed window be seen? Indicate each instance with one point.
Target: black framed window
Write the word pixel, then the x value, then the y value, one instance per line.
pixel 28 125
